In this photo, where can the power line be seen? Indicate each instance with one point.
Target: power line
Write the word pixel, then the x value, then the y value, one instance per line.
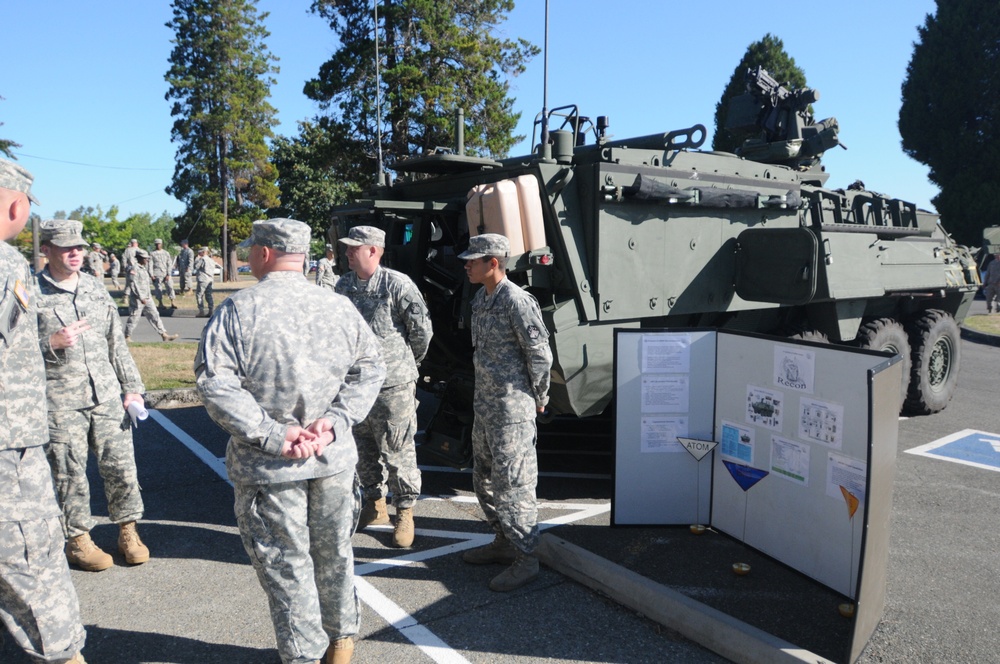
pixel 78 163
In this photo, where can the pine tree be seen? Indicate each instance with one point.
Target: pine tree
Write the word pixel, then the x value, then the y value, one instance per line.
pixel 436 56
pixel 220 79
pixel 7 146
pixel 950 115
pixel 770 54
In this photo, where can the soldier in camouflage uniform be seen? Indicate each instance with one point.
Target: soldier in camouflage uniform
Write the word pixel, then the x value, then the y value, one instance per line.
pixel 38 604
pixel 185 261
pixel 159 269
pixel 115 270
pixel 991 284
pixel 204 268
pixel 129 262
pixel 393 307
pixel 287 369
pixel 90 380
pixel 140 300
pixel 513 362
pixel 95 262
pixel 326 272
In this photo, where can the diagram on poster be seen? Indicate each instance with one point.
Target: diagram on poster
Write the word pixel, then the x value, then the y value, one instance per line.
pixel 794 368
pixel 737 442
pixel 665 394
pixel 790 460
pixel 659 434
pixel 821 422
pixel 846 479
pixel 662 354
pixel 764 407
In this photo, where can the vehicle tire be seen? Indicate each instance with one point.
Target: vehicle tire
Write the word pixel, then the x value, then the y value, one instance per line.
pixel 888 334
pixel 936 357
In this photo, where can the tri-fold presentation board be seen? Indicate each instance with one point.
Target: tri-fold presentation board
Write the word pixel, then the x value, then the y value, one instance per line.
pixel 788 446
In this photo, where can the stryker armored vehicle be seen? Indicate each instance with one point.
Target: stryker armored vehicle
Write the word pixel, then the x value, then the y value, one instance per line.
pixel 650 232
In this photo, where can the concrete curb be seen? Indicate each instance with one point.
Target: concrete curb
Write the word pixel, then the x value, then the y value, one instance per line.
pixel 708 627
pixel 980 337
pixel 176 398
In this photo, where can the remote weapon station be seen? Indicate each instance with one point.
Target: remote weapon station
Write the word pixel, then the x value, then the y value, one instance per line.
pixel 651 232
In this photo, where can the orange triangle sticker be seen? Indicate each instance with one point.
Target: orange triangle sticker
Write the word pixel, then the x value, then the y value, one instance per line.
pixel 852 502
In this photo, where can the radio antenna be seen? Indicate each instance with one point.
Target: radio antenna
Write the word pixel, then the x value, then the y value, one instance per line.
pixel 378 101
pixel 546 151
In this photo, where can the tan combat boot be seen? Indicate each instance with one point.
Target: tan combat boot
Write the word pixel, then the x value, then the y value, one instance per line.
pixel 82 552
pixel 522 571
pixel 340 651
pixel 402 535
pixel 77 659
pixel 169 337
pixel 500 550
pixel 373 513
pixel 129 544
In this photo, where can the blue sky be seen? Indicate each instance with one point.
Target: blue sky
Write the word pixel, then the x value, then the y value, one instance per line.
pixel 84 89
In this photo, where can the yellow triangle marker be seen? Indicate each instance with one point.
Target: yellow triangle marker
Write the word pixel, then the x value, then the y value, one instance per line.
pixel 852 502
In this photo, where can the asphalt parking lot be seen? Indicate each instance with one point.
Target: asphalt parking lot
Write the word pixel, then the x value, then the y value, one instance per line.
pixel 198 601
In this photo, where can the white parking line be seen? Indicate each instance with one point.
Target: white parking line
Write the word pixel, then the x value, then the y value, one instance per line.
pixel 428 642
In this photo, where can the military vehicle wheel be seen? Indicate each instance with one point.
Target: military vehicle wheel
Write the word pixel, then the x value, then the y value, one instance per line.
pixel 888 334
pixel 934 338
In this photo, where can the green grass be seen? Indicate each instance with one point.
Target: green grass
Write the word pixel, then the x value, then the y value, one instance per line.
pixel 989 324
pixel 165 366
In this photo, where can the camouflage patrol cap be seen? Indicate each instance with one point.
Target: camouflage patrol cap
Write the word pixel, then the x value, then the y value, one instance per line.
pixel 157 241
pixel 141 253
pixel 95 245
pixel 487 244
pixel 16 178
pixel 286 235
pixel 62 233
pixel 360 236
pixel 329 247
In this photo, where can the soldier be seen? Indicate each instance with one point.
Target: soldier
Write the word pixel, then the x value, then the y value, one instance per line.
pixel 38 603
pixel 128 262
pixel 393 307
pixel 991 283
pixel 185 261
pixel 512 361
pixel 288 392
pixel 159 270
pixel 91 380
pixel 204 269
pixel 95 262
pixel 115 270
pixel 140 300
pixel 326 273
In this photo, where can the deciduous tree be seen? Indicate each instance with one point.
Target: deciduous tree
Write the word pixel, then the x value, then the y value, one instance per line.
pixel 770 54
pixel 220 78
pixel 950 115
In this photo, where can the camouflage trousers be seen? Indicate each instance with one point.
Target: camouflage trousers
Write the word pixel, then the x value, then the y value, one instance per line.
pixel 105 431
pixel 387 453
pixel 148 311
pixel 504 476
pixel 184 277
pixel 38 603
pixel 298 537
pixel 203 295
pixel 163 285
pixel 114 281
pixel 991 291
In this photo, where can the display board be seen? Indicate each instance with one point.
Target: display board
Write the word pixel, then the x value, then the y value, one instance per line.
pixel 665 389
pixel 792 423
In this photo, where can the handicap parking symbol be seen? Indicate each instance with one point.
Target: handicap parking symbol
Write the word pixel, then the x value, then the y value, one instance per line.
pixel 970 447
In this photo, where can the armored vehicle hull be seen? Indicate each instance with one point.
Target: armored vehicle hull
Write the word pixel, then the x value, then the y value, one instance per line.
pixel 652 233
